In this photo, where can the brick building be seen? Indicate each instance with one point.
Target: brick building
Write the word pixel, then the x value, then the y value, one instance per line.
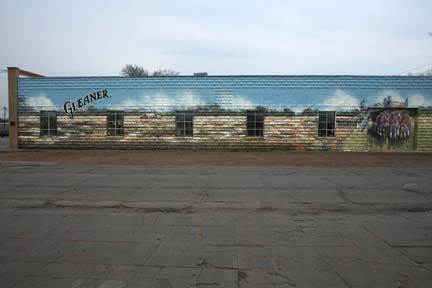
pixel 345 113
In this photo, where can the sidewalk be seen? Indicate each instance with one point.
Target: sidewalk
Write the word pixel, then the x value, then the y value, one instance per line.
pixel 221 158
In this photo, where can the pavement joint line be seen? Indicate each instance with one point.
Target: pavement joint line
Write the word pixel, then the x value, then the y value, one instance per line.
pixel 207 165
pixel 411 246
pixel 324 259
pixel 178 206
pixel 84 241
pixel 385 241
pixel 237 252
pixel 132 265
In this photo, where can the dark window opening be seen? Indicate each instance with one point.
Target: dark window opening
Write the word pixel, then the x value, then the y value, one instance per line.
pixel 255 123
pixel 184 124
pixel 48 123
pixel 326 124
pixel 115 123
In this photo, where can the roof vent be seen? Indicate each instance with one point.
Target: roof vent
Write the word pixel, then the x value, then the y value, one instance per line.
pixel 200 74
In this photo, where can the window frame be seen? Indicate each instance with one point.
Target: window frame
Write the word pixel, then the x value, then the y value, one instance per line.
pixel 51 129
pixel 184 123
pixel 118 129
pixel 253 125
pixel 329 132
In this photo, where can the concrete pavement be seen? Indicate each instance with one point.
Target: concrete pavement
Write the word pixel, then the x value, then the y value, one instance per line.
pixel 4 143
pixel 124 226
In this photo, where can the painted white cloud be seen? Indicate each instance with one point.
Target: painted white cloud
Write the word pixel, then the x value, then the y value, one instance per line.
pixel 238 102
pixel 419 101
pixel 163 102
pixel 297 108
pixel 341 100
pixel 41 102
pixel 187 99
pixel 190 99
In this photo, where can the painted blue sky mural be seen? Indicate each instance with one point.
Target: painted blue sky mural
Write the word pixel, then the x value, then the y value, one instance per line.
pixel 228 92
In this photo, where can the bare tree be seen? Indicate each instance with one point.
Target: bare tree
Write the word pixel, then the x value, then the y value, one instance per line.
pixel 164 72
pixel 134 71
pixel 138 71
pixel 424 73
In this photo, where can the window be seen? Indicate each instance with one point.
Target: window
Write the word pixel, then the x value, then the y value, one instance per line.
pixel 326 124
pixel 184 124
pixel 115 122
pixel 255 123
pixel 48 123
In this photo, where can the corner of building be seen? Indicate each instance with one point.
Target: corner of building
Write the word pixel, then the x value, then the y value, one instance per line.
pixel 13 74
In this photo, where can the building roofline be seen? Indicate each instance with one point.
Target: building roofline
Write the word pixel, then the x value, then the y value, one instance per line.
pixel 246 76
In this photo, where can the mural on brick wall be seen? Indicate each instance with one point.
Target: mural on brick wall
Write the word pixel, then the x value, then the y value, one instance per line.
pixel 235 93
pixel 372 113
pixel 391 129
pixel 392 124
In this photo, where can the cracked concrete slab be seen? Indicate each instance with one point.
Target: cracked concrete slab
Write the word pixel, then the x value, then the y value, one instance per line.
pixel 214 227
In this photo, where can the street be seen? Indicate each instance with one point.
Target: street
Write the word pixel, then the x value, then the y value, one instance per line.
pixel 153 226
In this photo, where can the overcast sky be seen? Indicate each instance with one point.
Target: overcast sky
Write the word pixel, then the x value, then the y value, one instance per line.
pixel 62 38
